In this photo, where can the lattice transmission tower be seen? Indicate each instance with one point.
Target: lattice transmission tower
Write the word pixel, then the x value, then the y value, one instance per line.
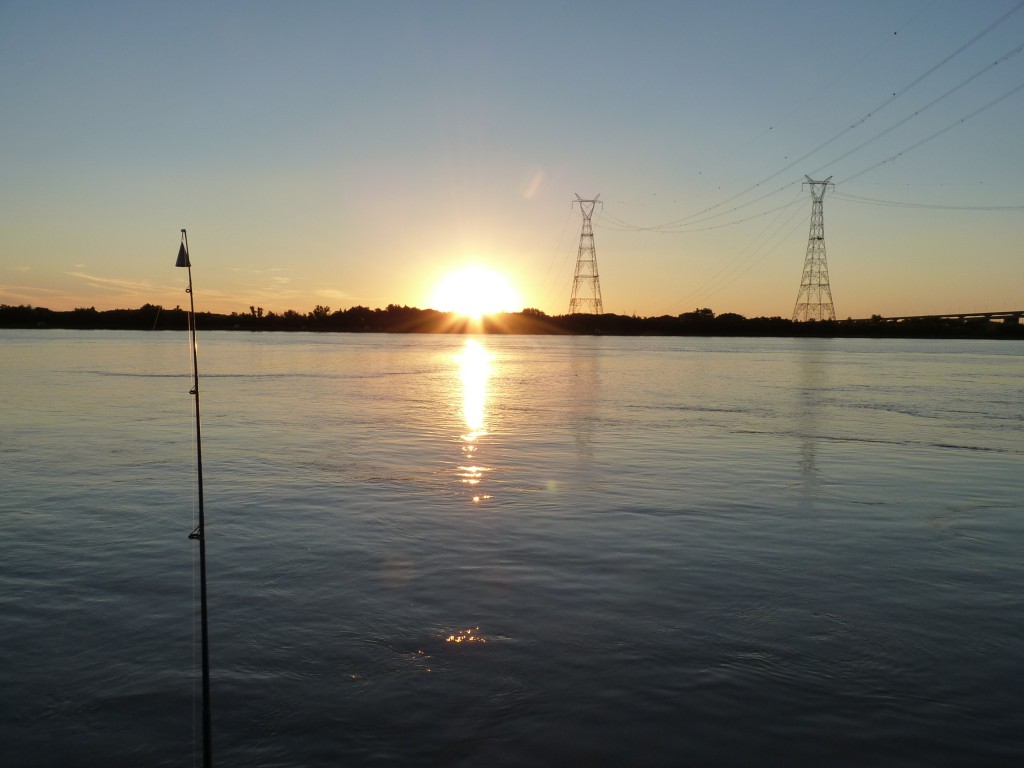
pixel 814 301
pixel 586 287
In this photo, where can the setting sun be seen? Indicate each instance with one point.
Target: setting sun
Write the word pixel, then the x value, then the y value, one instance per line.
pixel 475 291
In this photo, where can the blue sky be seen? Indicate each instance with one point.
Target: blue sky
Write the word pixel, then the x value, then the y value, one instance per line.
pixel 355 153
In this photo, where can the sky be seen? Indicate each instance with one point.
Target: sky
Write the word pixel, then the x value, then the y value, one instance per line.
pixel 356 153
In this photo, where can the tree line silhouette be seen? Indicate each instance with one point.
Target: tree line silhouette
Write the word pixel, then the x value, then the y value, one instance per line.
pixel 404 319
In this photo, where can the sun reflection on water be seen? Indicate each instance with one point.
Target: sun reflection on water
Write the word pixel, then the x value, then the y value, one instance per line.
pixel 470 635
pixel 474 372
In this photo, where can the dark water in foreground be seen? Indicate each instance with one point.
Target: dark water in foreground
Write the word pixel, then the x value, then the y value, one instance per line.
pixel 536 551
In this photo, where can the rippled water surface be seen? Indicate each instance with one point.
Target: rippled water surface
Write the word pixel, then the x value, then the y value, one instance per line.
pixel 430 550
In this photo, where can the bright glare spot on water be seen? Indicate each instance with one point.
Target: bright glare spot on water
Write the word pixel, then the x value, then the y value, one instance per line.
pixel 474 371
pixel 466 636
pixel 471 475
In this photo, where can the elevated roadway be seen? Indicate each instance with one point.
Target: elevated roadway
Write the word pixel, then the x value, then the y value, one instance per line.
pixel 1011 317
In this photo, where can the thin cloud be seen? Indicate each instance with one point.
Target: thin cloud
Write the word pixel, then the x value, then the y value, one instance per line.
pixel 108 282
pixel 29 290
pixel 336 295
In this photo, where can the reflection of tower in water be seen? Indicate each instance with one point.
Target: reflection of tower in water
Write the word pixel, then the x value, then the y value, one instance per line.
pixel 583 377
pixel 474 373
pixel 812 378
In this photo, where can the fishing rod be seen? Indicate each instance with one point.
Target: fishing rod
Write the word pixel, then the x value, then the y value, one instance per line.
pixel 199 532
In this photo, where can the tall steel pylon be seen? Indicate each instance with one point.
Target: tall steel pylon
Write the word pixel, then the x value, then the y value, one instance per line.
pixel 586 287
pixel 814 301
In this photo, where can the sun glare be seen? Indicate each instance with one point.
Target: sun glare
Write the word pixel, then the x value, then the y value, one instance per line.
pixel 474 292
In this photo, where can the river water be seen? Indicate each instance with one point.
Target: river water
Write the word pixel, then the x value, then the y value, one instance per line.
pixel 443 550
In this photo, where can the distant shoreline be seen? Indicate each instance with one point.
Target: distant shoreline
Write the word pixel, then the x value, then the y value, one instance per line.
pixel 396 319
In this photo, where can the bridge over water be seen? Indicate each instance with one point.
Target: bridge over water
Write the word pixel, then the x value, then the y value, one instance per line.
pixel 1010 317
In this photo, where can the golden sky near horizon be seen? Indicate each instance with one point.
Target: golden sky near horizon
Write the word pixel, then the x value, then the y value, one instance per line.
pixel 345 155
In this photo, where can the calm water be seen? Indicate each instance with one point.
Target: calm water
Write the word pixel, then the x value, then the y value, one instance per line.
pixel 514 551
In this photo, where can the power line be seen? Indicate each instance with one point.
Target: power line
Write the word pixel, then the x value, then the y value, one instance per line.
pixel 735 267
pixel 554 255
pixel 900 93
pixel 620 225
pixel 814 95
pixel 780 239
pixel 951 126
pixel 1010 54
pixel 933 206
pixel 623 225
